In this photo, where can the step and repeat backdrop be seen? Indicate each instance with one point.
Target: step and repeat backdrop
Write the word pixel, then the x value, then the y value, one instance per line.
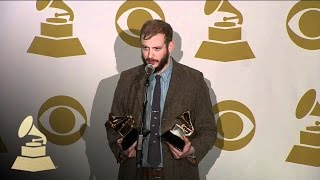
pixel 61 60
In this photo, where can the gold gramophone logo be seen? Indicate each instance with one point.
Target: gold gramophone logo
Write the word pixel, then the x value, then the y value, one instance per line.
pixel 308 151
pixel 56 39
pixel 225 43
pixel 62 119
pixel 3 148
pixel 232 125
pixel 33 155
pixel 138 13
pixel 308 24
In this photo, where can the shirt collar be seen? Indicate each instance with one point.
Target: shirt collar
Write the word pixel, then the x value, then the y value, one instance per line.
pixel 165 75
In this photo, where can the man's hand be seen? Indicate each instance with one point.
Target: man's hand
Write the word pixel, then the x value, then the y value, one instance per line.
pixel 188 149
pixel 131 151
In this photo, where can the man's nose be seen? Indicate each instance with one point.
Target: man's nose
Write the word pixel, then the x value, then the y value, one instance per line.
pixel 150 54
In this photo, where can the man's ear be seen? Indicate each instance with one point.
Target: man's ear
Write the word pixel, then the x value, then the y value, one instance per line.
pixel 171 46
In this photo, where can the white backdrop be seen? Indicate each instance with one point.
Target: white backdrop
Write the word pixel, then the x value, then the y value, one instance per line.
pixel 269 85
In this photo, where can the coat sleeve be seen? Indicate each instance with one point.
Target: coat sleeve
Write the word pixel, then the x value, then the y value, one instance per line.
pixel 204 124
pixel 117 108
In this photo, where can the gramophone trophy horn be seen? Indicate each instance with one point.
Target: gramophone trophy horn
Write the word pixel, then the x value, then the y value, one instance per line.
pixel 58 4
pixel 56 39
pixel 223 6
pixel 308 105
pixel 33 155
pixel 27 128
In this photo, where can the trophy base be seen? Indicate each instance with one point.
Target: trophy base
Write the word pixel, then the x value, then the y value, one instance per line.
pixel 174 140
pixel 28 151
pixel 56 47
pixel 225 32
pixel 304 155
pixel 131 137
pixel 33 164
pixel 225 52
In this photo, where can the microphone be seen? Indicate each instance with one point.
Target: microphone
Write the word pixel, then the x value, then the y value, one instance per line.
pixel 149 69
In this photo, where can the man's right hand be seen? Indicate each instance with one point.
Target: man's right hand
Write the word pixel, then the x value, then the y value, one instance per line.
pixel 131 151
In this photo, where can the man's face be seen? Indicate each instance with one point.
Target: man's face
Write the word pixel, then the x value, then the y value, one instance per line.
pixel 154 51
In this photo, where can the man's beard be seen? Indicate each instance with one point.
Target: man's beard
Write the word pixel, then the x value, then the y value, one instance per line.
pixel 162 61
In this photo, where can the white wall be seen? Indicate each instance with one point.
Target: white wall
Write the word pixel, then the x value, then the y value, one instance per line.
pixel 269 85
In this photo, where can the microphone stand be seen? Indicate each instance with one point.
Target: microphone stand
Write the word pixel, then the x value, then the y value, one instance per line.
pixel 139 174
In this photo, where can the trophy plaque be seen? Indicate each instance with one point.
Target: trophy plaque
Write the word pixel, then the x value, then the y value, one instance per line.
pixel 176 134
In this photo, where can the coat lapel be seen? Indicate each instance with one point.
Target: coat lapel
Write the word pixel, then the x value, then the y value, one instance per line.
pixel 175 85
pixel 140 89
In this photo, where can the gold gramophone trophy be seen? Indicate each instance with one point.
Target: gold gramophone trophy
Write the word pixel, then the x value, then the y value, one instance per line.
pixel 56 39
pixel 308 151
pixel 176 134
pixel 33 155
pixel 225 43
pixel 124 125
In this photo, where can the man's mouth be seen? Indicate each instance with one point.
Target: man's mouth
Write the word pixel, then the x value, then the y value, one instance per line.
pixel 152 61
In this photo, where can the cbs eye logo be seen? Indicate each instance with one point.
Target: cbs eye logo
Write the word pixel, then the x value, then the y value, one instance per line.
pixel 137 13
pixel 62 115
pixel 233 125
pixel 308 35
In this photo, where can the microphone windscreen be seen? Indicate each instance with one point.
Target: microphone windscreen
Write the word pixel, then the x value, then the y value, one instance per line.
pixel 149 69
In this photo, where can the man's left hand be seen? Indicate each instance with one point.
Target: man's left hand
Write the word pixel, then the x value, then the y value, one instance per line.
pixel 188 149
